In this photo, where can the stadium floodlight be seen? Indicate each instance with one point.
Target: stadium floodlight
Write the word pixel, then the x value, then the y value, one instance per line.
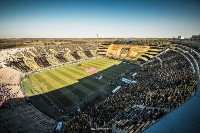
pixel 97 39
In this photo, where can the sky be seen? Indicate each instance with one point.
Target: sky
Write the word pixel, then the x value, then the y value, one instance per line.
pixel 107 18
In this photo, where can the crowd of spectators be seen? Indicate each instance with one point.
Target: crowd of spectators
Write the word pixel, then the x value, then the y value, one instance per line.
pixel 18 115
pixel 44 56
pixel 9 84
pixel 7 93
pixel 161 87
pixel 61 58
pixel 4 93
pixel 20 64
pixel 42 61
pixel 16 112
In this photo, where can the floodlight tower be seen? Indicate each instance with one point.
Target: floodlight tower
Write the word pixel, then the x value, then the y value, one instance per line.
pixel 97 39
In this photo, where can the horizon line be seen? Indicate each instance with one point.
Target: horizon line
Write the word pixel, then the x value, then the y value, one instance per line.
pixel 89 37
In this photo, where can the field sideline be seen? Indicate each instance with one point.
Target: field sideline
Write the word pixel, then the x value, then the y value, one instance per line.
pixel 68 85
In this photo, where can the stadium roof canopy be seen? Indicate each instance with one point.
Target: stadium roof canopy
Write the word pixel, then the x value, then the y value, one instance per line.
pixel 185 119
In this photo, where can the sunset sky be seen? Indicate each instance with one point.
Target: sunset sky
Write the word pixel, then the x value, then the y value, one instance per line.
pixel 108 18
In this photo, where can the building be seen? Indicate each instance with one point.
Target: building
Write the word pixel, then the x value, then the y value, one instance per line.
pixel 181 37
pixel 195 38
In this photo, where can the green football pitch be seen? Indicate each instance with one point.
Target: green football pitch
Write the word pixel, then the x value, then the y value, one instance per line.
pixel 68 85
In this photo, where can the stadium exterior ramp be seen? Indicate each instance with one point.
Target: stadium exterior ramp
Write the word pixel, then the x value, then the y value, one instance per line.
pixel 185 119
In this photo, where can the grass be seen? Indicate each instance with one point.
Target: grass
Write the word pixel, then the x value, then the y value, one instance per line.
pixel 68 85
pixel 64 76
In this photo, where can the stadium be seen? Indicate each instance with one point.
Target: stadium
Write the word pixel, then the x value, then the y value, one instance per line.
pixel 98 87
pixel 99 66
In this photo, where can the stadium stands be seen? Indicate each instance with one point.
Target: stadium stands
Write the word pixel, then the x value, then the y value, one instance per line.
pixel 35 58
pixel 18 115
pixel 160 88
pixel 167 78
pixel 132 53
